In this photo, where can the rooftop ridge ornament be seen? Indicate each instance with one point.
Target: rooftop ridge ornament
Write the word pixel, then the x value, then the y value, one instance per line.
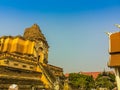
pixel 117 25
pixel 108 33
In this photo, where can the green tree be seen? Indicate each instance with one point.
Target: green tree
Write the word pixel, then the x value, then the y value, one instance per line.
pixel 90 82
pixel 105 80
pixel 81 81
pixel 74 79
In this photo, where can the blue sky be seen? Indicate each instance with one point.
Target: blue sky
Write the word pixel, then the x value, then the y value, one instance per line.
pixel 74 29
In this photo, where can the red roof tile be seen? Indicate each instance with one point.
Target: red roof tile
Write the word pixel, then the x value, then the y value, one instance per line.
pixel 94 74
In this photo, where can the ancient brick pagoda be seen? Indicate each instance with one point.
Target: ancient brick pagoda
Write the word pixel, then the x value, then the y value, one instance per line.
pixel 24 61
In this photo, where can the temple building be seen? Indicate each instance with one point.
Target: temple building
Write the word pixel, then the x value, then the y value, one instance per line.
pixel 24 61
pixel 114 55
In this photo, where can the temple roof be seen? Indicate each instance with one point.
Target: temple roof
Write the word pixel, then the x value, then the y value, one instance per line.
pixel 34 33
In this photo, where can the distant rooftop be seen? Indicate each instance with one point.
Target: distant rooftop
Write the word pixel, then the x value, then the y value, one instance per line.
pixel 94 74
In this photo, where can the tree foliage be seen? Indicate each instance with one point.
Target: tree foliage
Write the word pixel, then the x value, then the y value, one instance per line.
pixel 85 82
pixel 105 80
pixel 81 81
